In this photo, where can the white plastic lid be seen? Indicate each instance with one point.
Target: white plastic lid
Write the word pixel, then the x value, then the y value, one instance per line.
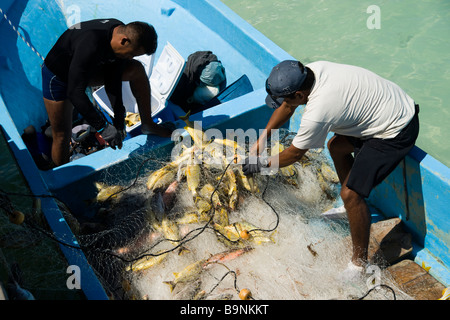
pixel 166 72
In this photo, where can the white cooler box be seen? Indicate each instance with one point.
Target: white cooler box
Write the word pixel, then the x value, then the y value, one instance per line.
pixel 163 79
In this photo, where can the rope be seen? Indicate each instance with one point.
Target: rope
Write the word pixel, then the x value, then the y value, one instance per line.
pixel 20 35
pixel 377 287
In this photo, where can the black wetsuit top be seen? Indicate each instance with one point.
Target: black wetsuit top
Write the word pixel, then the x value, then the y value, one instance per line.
pixel 81 52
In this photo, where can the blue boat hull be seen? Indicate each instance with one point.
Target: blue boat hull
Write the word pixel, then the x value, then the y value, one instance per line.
pixel 418 193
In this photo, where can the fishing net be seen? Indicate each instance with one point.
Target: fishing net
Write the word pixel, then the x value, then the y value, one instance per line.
pixel 29 259
pixel 192 228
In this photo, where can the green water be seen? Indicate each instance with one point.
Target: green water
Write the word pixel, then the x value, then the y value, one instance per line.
pixel 411 47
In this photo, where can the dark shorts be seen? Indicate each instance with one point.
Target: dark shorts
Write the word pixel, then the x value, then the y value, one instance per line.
pixel 375 159
pixel 52 87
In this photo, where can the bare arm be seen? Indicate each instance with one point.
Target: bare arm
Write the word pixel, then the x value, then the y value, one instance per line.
pixel 286 157
pixel 279 117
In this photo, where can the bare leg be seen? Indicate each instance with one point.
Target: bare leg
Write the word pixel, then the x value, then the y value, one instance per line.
pixel 359 219
pixel 355 205
pixel 60 117
pixel 341 153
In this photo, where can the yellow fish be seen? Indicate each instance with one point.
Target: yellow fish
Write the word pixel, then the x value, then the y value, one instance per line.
pixel 289 171
pixel 231 189
pixel 326 176
pixel 233 232
pixel 257 236
pixel 200 295
pixel 132 118
pixel 147 262
pixel 247 183
pixel 172 233
pixel 164 181
pixel 157 175
pixel 188 217
pixel 203 208
pixel 233 198
pixel 171 167
pixel 197 135
pixel 170 230
pixel 221 216
pixel 329 173
pixel 107 192
pixel 230 144
pixel 193 177
pixel 152 219
pixel 210 155
pixel 228 236
pixel 207 191
pixel 190 273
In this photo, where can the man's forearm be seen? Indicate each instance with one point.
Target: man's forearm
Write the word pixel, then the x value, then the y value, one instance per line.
pixel 279 117
pixel 286 157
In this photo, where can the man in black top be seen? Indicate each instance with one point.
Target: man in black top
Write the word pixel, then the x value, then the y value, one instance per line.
pixel 93 53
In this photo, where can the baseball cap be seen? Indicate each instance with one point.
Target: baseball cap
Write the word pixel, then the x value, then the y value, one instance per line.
pixel 284 79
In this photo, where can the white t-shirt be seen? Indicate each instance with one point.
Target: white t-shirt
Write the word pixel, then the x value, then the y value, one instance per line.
pixel 351 101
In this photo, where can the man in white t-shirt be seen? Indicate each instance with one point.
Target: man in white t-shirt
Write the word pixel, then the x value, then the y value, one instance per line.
pixel 372 118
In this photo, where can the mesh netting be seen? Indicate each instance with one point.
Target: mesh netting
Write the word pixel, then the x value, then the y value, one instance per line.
pixel 191 228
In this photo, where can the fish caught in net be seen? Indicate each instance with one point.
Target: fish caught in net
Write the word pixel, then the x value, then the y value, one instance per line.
pixel 195 227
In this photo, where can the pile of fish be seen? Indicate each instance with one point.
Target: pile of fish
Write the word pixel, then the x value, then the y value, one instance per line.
pixel 217 189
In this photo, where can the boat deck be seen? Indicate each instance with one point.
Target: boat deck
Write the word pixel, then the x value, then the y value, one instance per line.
pixel 416 281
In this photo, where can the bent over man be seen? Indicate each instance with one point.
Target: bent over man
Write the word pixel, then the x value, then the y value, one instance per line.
pixel 93 53
pixel 375 124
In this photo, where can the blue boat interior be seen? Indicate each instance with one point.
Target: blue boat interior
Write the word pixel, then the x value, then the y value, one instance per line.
pixel 417 191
